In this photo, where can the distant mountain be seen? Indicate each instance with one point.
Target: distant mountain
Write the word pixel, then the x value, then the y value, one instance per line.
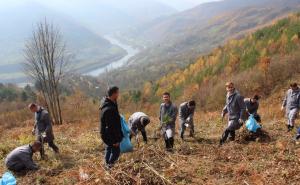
pixel 17 23
pixel 112 15
pixel 175 41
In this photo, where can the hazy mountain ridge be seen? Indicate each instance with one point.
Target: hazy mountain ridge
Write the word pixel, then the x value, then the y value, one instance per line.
pixel 184 43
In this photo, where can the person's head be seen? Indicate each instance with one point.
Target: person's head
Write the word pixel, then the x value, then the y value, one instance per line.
pixel 36 146
pixel 255 98
pixel 166 97
pixel 113 93
pixel 230 87
pixel 191 104
pixel 294 86
pixel 145 121
pixel 33 107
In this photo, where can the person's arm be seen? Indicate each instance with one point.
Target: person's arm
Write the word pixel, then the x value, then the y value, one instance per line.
pixel 159 116
pixel 174 114
pixel 103 126
pixel 224 111
pixel 242 107
pixel 284 103
pixel 34 126
pixel 191 116
pixel 181 117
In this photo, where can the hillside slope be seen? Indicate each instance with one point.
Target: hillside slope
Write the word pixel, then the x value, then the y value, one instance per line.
pixel 176 41
pixel 263 62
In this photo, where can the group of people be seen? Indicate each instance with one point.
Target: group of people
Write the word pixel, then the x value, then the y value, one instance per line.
pixel 20 159
pixel 237 107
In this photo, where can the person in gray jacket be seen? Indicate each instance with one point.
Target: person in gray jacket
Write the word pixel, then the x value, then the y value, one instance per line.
pixel 43 125
pixel 235 108
pixel 137 122
pixel 20 159
pixel 252 105
pixel 186 117
pixel 167 116
pixel 291 104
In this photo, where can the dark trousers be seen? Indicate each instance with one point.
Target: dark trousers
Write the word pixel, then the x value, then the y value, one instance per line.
pixel 112 154
pixel 230 133
pixel 183 128
pixel 169 143
pixel 17 167
pixel 51 144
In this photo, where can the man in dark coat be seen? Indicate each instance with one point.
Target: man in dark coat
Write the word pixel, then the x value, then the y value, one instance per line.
pixel 110 126
pixel 235 107
pixel 20 159
pixel 43 127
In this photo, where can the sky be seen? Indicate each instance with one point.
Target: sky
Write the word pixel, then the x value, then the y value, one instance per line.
pixel 177 4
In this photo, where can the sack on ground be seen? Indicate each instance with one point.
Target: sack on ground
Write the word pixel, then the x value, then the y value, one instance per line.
pixel 252 124
pixel 8 179
pixel 125 145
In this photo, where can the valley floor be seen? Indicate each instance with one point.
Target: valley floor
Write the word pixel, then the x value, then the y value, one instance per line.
pixel 196 161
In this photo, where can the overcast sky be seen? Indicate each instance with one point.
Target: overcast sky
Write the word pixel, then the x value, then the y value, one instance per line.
pixel 177 4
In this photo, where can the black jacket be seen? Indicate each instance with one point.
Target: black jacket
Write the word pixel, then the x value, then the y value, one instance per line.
pixel 110 123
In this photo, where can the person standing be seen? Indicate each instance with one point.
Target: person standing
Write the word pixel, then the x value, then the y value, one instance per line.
pixel 138 122
pixel 167 116
pixel 186 117
pixel 20 159
pixel 235 108
pixel 43 128
pixel 291 104
pixel 110 126
pixel 252 105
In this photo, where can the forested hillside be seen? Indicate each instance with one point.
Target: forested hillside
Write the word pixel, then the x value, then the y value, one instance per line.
pixel 260 63
pixel 176 41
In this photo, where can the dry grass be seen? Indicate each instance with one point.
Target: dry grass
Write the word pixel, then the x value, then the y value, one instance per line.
pixel 199 160
pixel 196 161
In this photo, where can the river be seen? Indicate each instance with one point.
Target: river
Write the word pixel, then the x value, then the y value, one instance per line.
pixel 116 64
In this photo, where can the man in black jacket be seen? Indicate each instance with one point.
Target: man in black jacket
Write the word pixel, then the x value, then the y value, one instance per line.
pixel 110 123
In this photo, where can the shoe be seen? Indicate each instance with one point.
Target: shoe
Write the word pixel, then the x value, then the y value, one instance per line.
pixel 290 128
pixel 221 142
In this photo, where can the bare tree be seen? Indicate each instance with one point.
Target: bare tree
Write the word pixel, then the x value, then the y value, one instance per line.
pixel 46 61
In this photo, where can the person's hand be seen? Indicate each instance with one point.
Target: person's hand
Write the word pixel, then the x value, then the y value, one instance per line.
pixel 241 121
pixel 282 108
pixel 33 131
pixel 116 144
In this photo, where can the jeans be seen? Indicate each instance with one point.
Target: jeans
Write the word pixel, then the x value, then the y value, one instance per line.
pixel 112 154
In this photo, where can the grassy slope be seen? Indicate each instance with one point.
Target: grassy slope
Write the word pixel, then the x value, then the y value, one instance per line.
pixel 197 161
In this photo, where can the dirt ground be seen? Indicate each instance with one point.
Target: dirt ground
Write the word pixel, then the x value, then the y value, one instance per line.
pixel 198 160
